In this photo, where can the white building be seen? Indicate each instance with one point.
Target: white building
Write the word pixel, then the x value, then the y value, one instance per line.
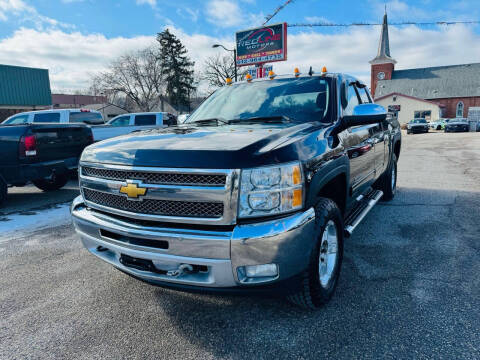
pixel 409 107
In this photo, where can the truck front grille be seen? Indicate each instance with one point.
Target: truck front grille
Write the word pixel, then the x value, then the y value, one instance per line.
pixel 162 178
pixel 196 209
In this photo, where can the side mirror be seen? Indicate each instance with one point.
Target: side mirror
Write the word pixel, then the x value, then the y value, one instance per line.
pixel 365 114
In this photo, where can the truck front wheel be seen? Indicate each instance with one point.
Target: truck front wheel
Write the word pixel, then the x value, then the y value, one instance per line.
pixel 3 191
pixel 55 183
pixel 319 281
pixel 388 181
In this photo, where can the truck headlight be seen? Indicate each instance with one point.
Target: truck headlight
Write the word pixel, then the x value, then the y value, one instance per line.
pixel 271 190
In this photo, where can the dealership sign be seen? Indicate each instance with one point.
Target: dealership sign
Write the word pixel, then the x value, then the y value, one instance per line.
pixel 261 45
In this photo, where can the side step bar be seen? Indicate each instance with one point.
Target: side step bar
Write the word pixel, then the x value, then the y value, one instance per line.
pixel 366 204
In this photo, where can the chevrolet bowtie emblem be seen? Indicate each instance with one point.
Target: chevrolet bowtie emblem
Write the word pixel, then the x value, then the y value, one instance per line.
pixel 133 191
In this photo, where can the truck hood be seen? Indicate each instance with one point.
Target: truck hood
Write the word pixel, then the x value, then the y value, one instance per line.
pixel 222 147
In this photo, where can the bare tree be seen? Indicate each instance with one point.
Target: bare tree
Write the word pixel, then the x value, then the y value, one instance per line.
pixel 136 77
pixel 218 68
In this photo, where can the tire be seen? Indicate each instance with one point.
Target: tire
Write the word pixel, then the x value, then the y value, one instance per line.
pixel 409 132
pixel 3 191
pixel 315 290
pixel 439 127
pixel 57 182
pixel 385 183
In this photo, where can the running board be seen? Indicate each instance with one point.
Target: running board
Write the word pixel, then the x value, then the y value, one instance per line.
pixel 366 203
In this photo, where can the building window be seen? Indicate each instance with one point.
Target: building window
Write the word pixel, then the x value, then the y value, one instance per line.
pixel 426 114
pixel 460 109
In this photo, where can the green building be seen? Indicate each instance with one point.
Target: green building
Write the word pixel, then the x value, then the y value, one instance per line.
pixel 23 89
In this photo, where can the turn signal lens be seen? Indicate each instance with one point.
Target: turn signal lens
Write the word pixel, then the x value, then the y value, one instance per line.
pixel 324 70
pixel 297 176
pixel 297 198
pixel 271 74
pixel 296 72
pixel 228 81
pixel 248 77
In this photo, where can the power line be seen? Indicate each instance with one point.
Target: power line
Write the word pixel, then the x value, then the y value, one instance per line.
pixel 277 10
pixel 326 24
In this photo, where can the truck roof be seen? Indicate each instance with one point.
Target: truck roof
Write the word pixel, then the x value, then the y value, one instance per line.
pixel 57 110
pixel 302 75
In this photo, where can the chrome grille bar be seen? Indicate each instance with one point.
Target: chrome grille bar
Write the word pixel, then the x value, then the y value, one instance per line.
pixel 191 203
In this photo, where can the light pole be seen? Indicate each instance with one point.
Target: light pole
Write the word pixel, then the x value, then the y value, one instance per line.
pixel 234 56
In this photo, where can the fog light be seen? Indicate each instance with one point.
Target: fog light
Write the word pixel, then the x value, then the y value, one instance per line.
pixel 256 271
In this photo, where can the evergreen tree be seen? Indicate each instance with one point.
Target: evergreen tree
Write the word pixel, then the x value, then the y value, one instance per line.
pixel 177 70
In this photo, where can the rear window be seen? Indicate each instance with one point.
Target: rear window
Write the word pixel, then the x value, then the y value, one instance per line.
pixel 50 117
pixel 146 119
pixel 86 117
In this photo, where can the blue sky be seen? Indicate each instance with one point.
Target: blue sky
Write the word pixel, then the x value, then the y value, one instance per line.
pixel 76 38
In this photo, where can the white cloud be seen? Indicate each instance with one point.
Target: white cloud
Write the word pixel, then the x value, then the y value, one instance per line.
pixel 224 13
pixel 189 13
pixel 28 14
pixel 14 7
pixel 72 57
pixel 152 3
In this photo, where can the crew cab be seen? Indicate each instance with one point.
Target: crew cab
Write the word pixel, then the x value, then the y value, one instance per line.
pixel 40 153
pixel 127 123
pixel 254 193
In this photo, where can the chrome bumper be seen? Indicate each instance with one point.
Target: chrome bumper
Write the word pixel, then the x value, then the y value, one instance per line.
pixel 286 242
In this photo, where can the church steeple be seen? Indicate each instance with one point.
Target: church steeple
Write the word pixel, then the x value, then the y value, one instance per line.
pixel 383 65
pixel 383 55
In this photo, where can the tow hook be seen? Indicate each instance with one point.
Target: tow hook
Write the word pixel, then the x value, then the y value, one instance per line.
pixel 182 269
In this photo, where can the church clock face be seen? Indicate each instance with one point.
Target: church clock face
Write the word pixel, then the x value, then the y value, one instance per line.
pixel 381 75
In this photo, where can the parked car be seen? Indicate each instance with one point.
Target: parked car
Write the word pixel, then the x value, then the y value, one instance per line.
pixel 416 126
pixel 457 125
pixel 40 153
pixel 253 196
pixel 438 125
pixel 59 116
pixel 127 123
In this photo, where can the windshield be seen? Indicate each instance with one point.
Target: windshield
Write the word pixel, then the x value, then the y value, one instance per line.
pixel 419 121
pixel 298 99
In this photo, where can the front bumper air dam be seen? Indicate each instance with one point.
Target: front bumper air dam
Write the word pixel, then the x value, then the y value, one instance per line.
pixel 287 242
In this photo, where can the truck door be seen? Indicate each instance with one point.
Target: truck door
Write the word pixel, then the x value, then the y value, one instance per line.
pixel 378 138
pixel 357 142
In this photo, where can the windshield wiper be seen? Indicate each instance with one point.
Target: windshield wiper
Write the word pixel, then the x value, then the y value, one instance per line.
pixel 207 121
pixel 266 119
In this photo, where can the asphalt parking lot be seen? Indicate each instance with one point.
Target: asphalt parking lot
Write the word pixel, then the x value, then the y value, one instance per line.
pixel 409 288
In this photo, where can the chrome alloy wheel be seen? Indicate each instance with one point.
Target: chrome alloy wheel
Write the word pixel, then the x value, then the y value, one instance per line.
pixel 328 257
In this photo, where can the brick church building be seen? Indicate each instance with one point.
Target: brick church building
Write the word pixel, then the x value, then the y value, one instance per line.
pixel 451 89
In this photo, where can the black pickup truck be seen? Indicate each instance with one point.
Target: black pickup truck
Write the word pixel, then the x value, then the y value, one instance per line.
pixel 40 153
pixel 255 192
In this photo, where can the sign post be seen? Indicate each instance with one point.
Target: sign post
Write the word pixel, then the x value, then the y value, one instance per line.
pixel 261 45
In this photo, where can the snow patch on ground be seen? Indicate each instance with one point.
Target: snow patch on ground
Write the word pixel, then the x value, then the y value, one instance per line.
pixel 20 224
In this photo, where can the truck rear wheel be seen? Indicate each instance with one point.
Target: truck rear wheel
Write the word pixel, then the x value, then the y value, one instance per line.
pixel 55 183
pixel 3 191
pixel 320 279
